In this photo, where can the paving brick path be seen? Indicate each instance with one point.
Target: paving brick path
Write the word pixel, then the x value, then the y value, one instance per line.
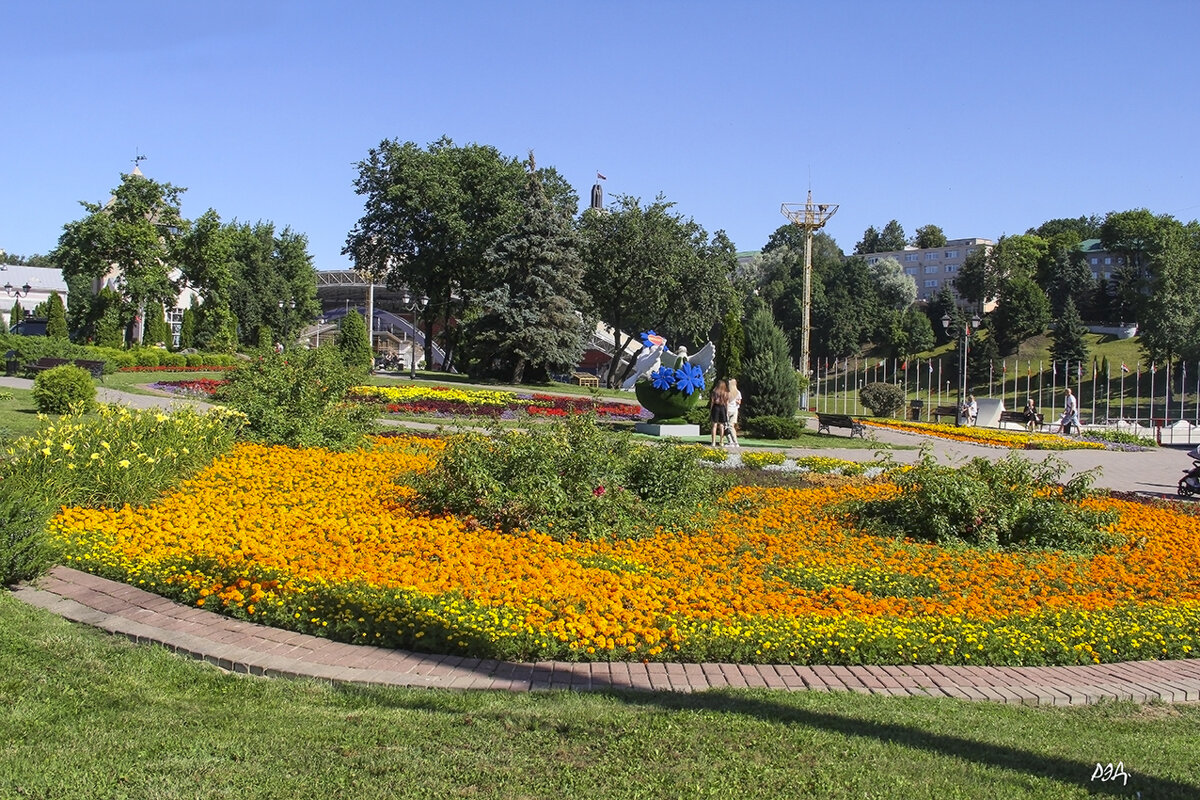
pixel 245 647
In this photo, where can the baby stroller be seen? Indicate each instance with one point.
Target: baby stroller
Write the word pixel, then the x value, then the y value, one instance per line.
pixel 1189 484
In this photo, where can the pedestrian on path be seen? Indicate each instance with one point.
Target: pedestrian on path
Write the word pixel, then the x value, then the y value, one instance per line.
pixel 718 412
pixel 731 412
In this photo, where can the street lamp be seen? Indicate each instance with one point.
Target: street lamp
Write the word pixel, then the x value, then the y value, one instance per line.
pixel 964 336
pixel 415 305
pixel 291 306
pixel 320 322
pixel 11 290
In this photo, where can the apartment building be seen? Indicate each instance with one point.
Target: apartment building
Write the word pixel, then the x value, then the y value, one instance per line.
pixel 933 267
pixel 1101 262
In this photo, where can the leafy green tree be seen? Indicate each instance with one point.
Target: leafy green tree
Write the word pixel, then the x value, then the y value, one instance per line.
pixel 1079 228
pixel 270 272
pixel 769 383
pixel 909 333
pixel 940 305
pixel 1068 332
pixel 1023 311
pixel 56 317
pixel 1132 234
pixel 157 330
pixel 136 232
pixel 216 327
pixel 534 317
pixel 649 268
pixel 1068 277
pixel 929 236
pixel 869 242
pixel 1171 327
pixel 892 237
pixel 983 353
pixel 846 307
pixel 896 288
pixel 354 344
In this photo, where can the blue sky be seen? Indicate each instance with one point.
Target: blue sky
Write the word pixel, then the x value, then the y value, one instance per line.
pixel 983 118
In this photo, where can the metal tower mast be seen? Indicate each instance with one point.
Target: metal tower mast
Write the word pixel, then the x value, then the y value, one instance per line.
pixel 810 216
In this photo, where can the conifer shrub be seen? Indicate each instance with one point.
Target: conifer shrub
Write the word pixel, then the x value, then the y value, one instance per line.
pixel 768 381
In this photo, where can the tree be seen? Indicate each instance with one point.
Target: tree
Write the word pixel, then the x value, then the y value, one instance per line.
pixel 1171 329
pixel 1080 228
pixel 929 236
pixel 156 327
pixel 134 232
pixel 16 314
pixel 187 329
pixel 869 242
pixel 1068 277
pixel 892 238
pixel 56 317
pixel 846 308
pixel 1068 332
pixel 941 305
pixel 533 318
pixel 985 271
pixel 649 268
pixel 431 214
pixel 354 344
pixel 1023 311
pixel 109 316
pixel 896 288
pixel 909 333
pixel 270 272
pixel 1132 234
pixel 769 382
pixel 728 361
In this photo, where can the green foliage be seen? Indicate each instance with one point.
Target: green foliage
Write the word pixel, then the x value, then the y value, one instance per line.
pixel 63 389
pixel 108 317
pixel 728 360
pixel 884 399
pixel 25 551
pixel 864 580
pixel 116 456
pixel 187 329
pixel 157 330
pixel 929 236
pixel 56 317
pixel 1070 346
pixel 15 314
pixel 31 348
pixel 298 399
pixel 1023 311
pixel 771 427
pixel 353 344
pixel 1011 504
pixel 570 479
pixel 768 382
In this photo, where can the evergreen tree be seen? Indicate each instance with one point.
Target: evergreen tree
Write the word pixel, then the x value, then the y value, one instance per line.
pixel 532 317
pixel 157 329
pixel 3 320
pixel 187 329
pixel 215 329
pixel 1068 332
pixel 109 319
pixel 983 354
pixel 16 315
pixel 769 384
pixel 353 342
pixel 728 360
pixel 56 317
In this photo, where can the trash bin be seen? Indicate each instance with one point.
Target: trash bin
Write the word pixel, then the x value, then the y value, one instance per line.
pixel 10 363
pixel 915 408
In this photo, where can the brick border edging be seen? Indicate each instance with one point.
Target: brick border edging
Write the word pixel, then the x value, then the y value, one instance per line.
pixel 244 647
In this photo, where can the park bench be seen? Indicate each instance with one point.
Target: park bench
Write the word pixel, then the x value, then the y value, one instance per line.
pixel 827 421
pixel 944 411
pixel 96 368
pixel 584 379
pixel 1018 417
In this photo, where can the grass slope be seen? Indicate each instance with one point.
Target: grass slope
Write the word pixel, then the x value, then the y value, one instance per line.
pixel 87 715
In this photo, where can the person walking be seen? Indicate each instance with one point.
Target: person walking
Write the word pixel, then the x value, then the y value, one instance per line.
pixel 1070 417
pixel 731 412
pixel 718 412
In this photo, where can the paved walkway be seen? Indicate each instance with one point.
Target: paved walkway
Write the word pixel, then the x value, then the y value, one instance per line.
pixel 245 647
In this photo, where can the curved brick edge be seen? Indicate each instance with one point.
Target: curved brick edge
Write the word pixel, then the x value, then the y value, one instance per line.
pixel 239 646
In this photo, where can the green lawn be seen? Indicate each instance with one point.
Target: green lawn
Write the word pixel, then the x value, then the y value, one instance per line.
pixel 87 715
pixel 17 416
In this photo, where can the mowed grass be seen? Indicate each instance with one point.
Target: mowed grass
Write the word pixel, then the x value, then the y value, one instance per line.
pixel 86 715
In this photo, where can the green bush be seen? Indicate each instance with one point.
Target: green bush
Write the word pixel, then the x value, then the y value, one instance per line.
pixel 63 389
pixel 25 552
pixel 355 343
pixel 194 360
pixel 571 479
pixel 168 359
pixel 148 356
pixel 884 399
pixel 1011 504
pixel 768 427
pixel 298 399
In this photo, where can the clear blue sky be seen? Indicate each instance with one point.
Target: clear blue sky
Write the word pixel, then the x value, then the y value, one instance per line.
pixel 982 118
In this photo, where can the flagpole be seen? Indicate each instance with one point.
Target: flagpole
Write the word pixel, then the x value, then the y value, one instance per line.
pixel 1093 390
pixel 1153 371
pixel 1137 393
pixel 1041 377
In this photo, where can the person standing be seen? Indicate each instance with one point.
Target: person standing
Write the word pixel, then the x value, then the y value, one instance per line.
pixel 731 411
pixel 718 412
pixel 972 409
pixel 1070 417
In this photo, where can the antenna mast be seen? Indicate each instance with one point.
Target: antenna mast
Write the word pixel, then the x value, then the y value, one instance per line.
pixel 810 216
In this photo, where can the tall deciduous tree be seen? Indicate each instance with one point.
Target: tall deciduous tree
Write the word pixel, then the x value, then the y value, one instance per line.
pixel 135 232
pixel 649 268
pixel 270 272
pixel 1171 329
pixel 732 347
pixel 533 317
pixel 929 236
pixel 1023 311
pixel 896 288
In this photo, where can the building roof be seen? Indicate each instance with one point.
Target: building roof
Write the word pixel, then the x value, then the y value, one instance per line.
pixel 44 279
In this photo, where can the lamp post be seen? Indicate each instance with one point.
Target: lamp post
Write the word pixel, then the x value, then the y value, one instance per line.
pixel 290 306
pixel 11 290
pixel 415 305
pixel 964 335
pixel 320 322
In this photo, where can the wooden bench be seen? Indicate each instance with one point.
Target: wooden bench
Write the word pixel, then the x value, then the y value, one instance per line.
pixel 585 379
pixel 1018 418
pixel 944 411
pixel 96 368
pixel 827 421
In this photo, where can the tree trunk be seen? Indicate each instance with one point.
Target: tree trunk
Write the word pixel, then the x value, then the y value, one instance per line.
pixel 518 373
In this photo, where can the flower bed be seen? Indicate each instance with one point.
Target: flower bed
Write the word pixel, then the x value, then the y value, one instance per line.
pixel 1017 440
pixel 200 387
pixel 208 368
pixel 325 543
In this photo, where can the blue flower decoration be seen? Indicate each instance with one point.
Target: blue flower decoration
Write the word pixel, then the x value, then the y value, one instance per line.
pixel 663 378
pixel 689 378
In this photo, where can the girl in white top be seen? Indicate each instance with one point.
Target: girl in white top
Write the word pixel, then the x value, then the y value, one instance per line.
pixel 734 404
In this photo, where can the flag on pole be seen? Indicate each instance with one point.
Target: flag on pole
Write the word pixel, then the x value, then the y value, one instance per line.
pixel 904 365
pixel 1054 368
pixel 931 367
pixel 1123 367
pixel 601 177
